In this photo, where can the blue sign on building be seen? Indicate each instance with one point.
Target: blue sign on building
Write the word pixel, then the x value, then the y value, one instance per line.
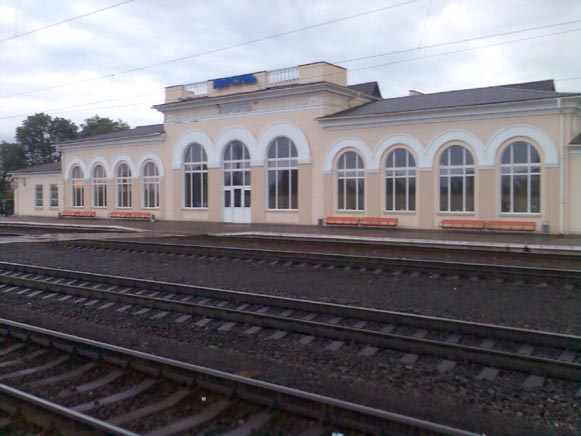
pixel 244 79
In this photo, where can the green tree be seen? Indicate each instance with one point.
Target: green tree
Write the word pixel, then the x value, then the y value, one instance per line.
pixel 98 126
pixel 12 158
pixel 39 133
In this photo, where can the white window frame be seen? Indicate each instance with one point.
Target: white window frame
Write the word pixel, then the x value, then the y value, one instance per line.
pixel 277 164
pixel 406 172
pixel 99 183
pixel 77 187
pixel 39 196
pixel 124 187
pixel 449 171
pixel 511 170
pixel 195 167
pixel 150 181
pixel 54 195
pixel 345 174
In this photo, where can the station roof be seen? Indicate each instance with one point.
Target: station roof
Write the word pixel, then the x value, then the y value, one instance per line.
pixel 153 129
pixel 460 98
pixel 53 167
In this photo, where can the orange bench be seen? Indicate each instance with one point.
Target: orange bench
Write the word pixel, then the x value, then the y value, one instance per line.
pixel 378 222
pixel 132 216
pixel 525 226
pixel 78 214
pixel 342 221
pixel 463 224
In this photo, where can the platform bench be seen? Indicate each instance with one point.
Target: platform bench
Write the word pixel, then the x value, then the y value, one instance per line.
pixel 524 226
pixel 78 214
pixel 132 216
pixel 378 222
pixel 463 224
pixel 342 221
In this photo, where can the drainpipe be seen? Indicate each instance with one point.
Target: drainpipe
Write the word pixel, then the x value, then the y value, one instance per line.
pixel 562 173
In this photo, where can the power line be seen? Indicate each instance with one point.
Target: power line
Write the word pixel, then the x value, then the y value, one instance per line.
pixel 476 38
pixel 68 20
pixel 217 50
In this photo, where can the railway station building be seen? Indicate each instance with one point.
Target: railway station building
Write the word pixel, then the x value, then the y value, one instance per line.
pixel 300 144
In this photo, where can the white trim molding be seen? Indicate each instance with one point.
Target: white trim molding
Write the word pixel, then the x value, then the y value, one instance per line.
pixel 149 156
pixel 550 156
pixel 235 133
pixel 402 139
pixel 469 138
pixel 124 158
pixel 101 161
pixel 71 163
pixel 343 144
pixel 193 136
pixel 289 130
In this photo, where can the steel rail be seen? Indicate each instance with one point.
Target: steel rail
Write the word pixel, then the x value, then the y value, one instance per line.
pixel 47 414
pixel 529 364
pixel 549 339
pixel 309 405
pixel 343 260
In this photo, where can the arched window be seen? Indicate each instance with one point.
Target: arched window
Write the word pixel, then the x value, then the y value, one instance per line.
pixel 99 187
pixel 350 182
pixel 400 181
pixel 283 174
pixel 150 185
pixel 520 168
pixel 123 186
pixel 456 180
pixel 78 186
pixel 236 169
pixel 195 176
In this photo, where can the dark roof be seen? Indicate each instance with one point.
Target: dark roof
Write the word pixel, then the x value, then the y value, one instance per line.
pixel 369 88
pixel 138 131
pixel 576 140
pixel 53 167
pixel 451 99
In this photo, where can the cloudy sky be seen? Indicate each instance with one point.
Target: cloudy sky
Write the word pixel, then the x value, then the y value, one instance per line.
pixel 75 59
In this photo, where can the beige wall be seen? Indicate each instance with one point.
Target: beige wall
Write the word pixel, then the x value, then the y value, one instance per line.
pixel 24 198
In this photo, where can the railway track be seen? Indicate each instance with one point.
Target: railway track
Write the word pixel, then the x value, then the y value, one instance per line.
pixel 538 354
pixel 75 386
pixel 571 277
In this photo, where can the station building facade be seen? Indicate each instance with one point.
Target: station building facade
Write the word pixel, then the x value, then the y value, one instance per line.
pixel 297 145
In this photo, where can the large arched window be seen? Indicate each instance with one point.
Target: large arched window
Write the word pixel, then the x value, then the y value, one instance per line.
pixel 236 169
pixel 520 168
pixel 99 187
pixel 150 185
pixel 195 177
pixel 400 181
pixel 350 182
pixel 456 180
pixel 78 187
pixel 283 174
pixel 123 186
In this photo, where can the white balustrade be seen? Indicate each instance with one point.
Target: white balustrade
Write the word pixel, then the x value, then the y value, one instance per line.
pixel 199 88
pixel 283 75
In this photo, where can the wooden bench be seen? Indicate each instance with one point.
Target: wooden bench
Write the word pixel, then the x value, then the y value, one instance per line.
pixel 78 214
pixel 132 216
pixel 524 226
pixel 463 224
pixel 342 221
pixel 378 222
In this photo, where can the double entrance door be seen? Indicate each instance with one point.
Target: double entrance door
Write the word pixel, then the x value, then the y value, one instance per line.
pixel 236 193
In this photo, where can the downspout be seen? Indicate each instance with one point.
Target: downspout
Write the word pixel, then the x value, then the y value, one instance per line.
pixel 562 173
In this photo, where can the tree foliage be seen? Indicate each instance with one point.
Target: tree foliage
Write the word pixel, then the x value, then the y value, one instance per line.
pixel 12 158
pixel 98 126
pixel 39 133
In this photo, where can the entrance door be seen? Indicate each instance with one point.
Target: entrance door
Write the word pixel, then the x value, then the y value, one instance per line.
pixel 236 191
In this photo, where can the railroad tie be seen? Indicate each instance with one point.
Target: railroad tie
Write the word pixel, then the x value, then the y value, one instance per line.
pixel 445 366
pixel 142 311
pixel 534 382
pixel 251 330
pixel 106 305
pixel 203 322
pixel 409 358
pixel 33 294
pixel 160 315
pixel 183 318
pixel 306 340
pixel 368 351
pixel 334 346
pixel 253 424
pixel 488 373
pixel 226 327
pixel 279 334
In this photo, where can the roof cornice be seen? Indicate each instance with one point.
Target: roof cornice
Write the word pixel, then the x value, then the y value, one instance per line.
pixel 116 142
pixel 195 103
pixel 556 105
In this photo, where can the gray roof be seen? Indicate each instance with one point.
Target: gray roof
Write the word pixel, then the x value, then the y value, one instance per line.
pixel 53 167
pixel 576 140
pixel 152 129
pixel 369 88
pixel 451 99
